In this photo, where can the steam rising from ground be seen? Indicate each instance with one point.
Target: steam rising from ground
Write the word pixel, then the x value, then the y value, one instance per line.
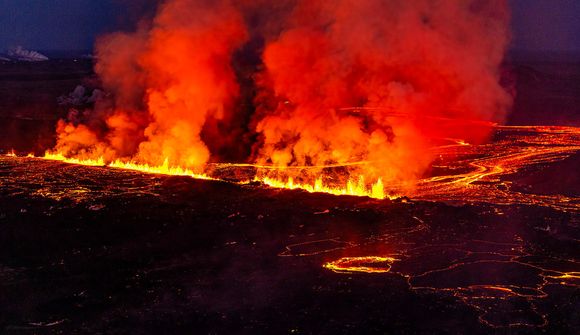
pixel 407 66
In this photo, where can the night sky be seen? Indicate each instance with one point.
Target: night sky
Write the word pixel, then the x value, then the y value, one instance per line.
pixel 538 25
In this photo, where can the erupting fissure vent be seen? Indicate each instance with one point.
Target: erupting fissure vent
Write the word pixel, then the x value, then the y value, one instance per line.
pixel 268 83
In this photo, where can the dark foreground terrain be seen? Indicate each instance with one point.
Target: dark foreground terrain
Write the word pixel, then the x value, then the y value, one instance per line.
pixel 102 250
pixel 489 244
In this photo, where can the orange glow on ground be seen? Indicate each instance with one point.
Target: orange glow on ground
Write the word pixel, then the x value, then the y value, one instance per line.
pixel 354 188
pixel 60 157
pixel 164 169
pixel 161 169
pixel 368 264
pixel 479 179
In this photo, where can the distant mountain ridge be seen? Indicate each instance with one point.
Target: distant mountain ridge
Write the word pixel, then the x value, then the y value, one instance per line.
pixel 19 53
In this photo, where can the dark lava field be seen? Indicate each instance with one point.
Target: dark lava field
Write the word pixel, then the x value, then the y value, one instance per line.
pixel 102 250
pixel 490 243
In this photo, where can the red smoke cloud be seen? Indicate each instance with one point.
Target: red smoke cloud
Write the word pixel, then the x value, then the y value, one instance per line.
pixel 407 66
pixel 426 60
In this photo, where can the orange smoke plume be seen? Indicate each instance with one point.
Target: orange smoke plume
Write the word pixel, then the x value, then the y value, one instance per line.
pixel 166 79
pixel 407 66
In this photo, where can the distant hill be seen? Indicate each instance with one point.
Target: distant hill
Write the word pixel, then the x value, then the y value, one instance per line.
pixel 20 54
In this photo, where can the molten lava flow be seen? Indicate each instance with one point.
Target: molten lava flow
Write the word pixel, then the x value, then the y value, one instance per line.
pixel 61 157
pixel 518 148
pixel 165 168
pixel 358 188
pixel 368 264
pixel 355 188
pixel 479 179
pixel 161 169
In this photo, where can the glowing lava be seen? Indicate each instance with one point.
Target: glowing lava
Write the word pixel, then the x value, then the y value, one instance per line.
pixel 352 187
pixel 368 264
pixel 480 179
pixel 60 157
pixel 161 169
pixel 483 177
pixel 164 169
